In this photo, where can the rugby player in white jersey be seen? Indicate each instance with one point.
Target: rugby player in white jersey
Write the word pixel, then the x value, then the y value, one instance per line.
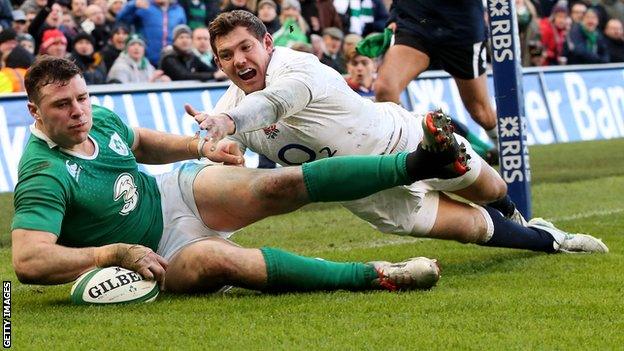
pixel 293 109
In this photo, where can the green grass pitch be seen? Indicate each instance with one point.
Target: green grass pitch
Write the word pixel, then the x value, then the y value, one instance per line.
pixel 487 299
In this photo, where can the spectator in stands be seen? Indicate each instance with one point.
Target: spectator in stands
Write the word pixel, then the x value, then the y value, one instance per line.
pixel 53 43
pixel 33 6
pixel 614 36
pixel 577 10
pixel 199 13
pixel 179 62
pixel 528 28
pixel 231 5
pixel 201 46
pixel 310 14
pixel 96 26
pixel 362 16
pixel 585 43
pixel 553 30
pixel 16 63
pixel 78 10
pixel 30 16
pixel 332 57
pixel 350 41
pixel 116 43
pixel 267 12
pixel 89 61
pixel 19 23
pixel 294 28
pixel 50 17
pixel 147 17
pixel 614 8
pixel 362 72
pixel 26 41
pixel 599 9
pixel 132 67
pixel 70 27
pixel 328 16
pixel 318 46
pixel 113 8
pixel 8 41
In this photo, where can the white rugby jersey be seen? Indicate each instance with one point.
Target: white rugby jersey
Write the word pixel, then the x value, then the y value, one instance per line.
pixel 307 111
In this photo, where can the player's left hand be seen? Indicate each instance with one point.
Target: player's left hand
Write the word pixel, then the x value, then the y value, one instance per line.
pixel 226 152
pixel 217 126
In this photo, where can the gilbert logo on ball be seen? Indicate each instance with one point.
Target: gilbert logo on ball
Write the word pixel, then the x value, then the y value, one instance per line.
pixel 112 285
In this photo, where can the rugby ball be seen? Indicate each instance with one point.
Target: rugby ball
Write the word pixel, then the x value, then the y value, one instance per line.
pixel 112 285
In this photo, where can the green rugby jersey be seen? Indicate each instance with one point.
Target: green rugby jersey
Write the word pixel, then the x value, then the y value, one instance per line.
pixel 88 201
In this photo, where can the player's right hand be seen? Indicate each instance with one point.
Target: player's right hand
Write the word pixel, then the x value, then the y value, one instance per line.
pixel 136 258
pixel 217 127
pixel 144 261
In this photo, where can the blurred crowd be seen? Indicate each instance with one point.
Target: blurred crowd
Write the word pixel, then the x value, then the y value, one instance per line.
pixel 139 41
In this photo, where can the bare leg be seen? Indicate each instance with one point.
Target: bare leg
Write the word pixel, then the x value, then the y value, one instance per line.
pixel 208 265
pixel 400 65
pixel 474 94
pixel 488 187
pixel 229 198
pixel 458 221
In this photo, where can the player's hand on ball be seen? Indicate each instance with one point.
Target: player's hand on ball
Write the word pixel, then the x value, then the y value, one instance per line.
pixel 217 126
pixel 144 261
pixel 136 258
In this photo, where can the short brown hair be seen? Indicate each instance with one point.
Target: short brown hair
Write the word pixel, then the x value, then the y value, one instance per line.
pixel 48 70
pixel 351 54
pixel 226 22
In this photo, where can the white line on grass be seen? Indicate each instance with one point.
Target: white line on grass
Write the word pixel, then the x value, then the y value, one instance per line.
pixel 582 215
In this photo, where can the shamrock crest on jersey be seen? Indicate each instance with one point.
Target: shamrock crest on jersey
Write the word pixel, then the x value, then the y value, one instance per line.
pixel 73 169
pixel 117 145
pixel 125 187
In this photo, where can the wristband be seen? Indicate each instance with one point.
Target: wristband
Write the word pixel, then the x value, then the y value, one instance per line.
pixel 200 148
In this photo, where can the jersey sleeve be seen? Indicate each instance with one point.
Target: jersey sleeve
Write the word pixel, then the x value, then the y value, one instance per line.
pixel 126 133
pixel 40 204
pixel 291 93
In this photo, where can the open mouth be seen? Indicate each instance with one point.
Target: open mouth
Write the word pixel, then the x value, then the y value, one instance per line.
pixel 247 74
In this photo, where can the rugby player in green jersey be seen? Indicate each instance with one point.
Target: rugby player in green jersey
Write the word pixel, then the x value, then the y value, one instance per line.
pixel 81 202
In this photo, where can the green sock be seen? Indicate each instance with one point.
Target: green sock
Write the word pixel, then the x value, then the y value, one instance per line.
pixel 477 144
pixel 353 177
pixel 290 272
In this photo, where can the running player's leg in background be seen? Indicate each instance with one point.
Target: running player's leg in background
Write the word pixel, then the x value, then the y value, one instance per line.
pixel 474 94
pixel 401 65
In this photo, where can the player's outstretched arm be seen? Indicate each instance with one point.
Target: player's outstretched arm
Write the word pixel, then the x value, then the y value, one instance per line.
pixel 38 259
pixel 154 147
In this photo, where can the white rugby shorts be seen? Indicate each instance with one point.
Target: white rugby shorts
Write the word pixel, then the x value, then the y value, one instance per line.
pixel 182 224
pixel 411 209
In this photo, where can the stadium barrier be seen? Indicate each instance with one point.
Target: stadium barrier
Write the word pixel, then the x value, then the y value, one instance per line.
pixel 563 104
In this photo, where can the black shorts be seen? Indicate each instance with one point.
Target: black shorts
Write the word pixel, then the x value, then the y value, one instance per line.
pixel 460 61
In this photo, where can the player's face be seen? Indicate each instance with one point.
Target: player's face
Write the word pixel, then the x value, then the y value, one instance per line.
pixel 64 112
pixel 244 59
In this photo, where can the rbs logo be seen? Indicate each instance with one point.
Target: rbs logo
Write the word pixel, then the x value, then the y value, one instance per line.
pixel 501 30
